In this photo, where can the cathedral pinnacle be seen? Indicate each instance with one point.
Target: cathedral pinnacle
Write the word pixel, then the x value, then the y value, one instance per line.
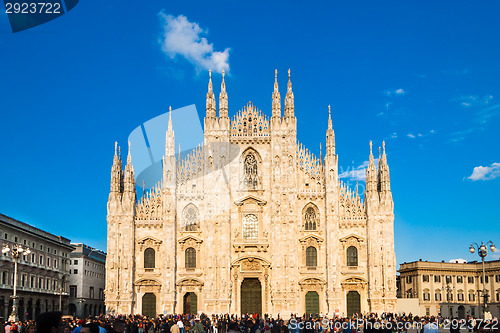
pixel 129 157
pixel 289 99
pixel 210 106
pixel 223 107
pixel 276 97
pixel 329 118
pixel 170 119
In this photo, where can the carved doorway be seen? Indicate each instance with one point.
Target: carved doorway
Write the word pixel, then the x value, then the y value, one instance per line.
pixel 251 296
pixel 190 303
pixel 312 304
pixel 149 305
pixel 353 303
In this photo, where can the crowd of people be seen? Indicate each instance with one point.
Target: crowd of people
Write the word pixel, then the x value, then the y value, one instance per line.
pixel 54 322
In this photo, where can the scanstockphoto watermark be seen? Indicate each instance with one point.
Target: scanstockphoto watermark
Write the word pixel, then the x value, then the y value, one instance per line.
pixel 355 324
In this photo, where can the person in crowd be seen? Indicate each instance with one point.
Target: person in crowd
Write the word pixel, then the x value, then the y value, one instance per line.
pixel 50 322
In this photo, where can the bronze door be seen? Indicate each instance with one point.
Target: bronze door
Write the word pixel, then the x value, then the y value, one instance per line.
pixel 353 303
pixel 190 303
pixel 312 304
pixel 149 305
pixel 251 296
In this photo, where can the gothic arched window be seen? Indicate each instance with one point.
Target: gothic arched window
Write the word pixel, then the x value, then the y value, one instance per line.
pixel 149 258
pixel 190 257
pixel 311 257
pixel 310 219
pixel 352 256
pixel 250 227
pixel 250 170
pixel 191 221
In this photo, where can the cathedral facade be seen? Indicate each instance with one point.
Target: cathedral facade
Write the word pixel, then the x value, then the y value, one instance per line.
pixel 250 222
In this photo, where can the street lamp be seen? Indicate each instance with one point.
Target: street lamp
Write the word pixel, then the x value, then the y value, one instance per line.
pixel 16 251
pixel 449 294
pixel 482 250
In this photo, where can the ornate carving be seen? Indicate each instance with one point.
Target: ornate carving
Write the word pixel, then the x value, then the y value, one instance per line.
pixel 250 265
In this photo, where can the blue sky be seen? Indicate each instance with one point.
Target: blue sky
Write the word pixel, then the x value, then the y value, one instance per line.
pixel 423 76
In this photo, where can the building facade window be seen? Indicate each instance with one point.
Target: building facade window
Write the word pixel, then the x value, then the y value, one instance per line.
pixel 425 278
pixel 311 257
pixel 470 279
pixel 191 218
pixel 460 279
pixel 250 172
pixel 352 256
pixel 437 278
pixel 190 257
pixel 149 258
pixel 310 219
pixel 437 296
pixel 250 226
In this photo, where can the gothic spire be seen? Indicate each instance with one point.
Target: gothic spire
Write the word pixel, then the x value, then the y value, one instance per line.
pixel 210 106
pixel 170 119
pixel 330 135
pixel 330 127
pixel 129 179
pixel 116 171
pixel 371 176
pixel 289 99
pixel 384 178
pixel 276 97
pixel 170 137
pixel 223 107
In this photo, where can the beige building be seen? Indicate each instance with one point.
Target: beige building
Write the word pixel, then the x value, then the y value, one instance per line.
pixel 451 287
pixel 42 275
pixel 86 281
pixel 250 222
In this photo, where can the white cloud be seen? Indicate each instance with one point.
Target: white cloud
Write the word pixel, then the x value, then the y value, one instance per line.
pixel 357 173
pixel 420 135
pixel 394 135
pixel 399 91
pixel 485 173
pixel 184 38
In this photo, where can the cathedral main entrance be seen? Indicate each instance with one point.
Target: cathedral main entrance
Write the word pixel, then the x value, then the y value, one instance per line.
pixel 353 303
pixel 251 296
pixel 190 303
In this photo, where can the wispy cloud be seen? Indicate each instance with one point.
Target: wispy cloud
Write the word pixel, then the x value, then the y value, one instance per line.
pixel 396 92
pixel 420 135
pixel 356 173
pixel 483 108
pixel 184 38
pixel 459 135
pixel 485 173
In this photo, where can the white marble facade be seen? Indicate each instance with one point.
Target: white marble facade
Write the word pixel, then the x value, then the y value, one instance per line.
pixel 251 221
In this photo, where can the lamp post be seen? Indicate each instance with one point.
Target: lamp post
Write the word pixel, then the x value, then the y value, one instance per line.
pixel 16 251
pixel 449 295
pixel 482 251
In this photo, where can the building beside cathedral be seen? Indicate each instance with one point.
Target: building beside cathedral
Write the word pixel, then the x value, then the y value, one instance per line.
pixel 250 222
